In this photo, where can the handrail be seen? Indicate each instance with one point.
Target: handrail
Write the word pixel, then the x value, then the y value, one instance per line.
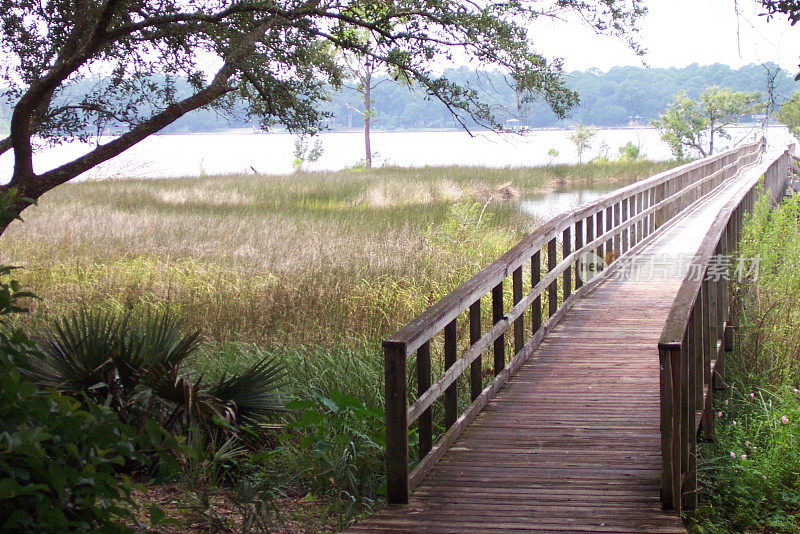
pixel 695 337
pixel 614 225
pixel 454 371
pixel 442 312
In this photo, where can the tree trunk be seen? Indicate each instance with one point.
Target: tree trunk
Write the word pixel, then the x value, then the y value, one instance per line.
pixel 711 140
pixel 367 116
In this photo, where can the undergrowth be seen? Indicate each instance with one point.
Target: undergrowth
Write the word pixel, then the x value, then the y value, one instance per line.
pixel 750 477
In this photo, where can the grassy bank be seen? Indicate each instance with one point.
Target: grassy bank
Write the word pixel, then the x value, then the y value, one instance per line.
pixel 750 477
pixel 314 269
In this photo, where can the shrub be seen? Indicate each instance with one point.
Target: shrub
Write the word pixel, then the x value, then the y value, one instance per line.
pixel 346 443
pixel 58 457
pixel 139 370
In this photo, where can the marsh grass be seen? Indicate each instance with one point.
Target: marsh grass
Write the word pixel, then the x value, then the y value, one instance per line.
pixel 304 259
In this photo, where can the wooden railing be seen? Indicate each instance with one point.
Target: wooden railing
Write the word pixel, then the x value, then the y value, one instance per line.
pixel 612 226
pixel 695 337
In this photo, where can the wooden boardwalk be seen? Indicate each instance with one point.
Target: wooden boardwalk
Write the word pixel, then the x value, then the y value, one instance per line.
pixel 572 442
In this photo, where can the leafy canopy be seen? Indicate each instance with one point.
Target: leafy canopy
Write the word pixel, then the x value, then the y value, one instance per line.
pixel 278 56
pixel 693 125
pixel 789 114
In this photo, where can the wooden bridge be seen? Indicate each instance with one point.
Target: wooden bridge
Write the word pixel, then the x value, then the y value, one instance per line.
pixel 587 415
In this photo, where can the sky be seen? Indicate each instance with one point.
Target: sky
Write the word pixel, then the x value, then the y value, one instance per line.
pixel 677 33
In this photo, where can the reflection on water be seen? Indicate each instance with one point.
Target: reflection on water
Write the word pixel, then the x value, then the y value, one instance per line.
pixel 548 205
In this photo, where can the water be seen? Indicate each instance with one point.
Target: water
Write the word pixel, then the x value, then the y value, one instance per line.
pixel 548 205
pixel 247 152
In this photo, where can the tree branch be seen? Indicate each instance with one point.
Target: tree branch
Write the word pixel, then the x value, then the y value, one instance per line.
pixel 102 153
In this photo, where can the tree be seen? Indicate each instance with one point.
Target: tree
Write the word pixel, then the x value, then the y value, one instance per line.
pixel 582 138
pixel 276 55
pixel 694 125
pixel 630 152
pixel 789 114
pixel 552 154
pixel 306 152
pixel 364 70
pixel 790 8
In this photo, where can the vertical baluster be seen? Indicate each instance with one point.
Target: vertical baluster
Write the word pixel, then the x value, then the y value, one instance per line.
pixel 476 367
pixel 636 208
pixel 519 324
pixel 497 316
pixel 690 414
pixel 599 229
pixel 677 427
pixel 617 236
pixel 609 242
pixel 536 276
pixel 552 289
pixel 701 307
pixel 396 422
pixel 623 218
pixel 423 383
pixel 450 355
pixel 566 277
pixel 578 246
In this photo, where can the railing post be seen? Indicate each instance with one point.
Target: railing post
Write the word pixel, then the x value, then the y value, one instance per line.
pixel 625 233
pixel 617 237
pixel 396 423
pixel 552 289
pixel 425 421
pixel 636 209
pixel 536 276
pixel 497 316
pixel 609 242
pixel 689 401
pixel 450 356
pixel 566 248
pixel 519 324
pixel 599 232
pixel 578 245
pixel 476 367
pixel 701 309
pixel 670 429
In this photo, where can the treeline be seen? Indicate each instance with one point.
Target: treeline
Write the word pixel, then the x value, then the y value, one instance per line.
pixel 614 98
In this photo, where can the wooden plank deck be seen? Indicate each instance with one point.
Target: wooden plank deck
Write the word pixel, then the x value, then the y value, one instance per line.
pixel 572 442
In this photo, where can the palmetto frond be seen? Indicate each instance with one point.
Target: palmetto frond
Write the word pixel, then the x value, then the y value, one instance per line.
pixel 78 354
pixel 255 393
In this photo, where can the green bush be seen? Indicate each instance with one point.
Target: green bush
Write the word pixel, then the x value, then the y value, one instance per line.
pixel 58 457
pixel 346 443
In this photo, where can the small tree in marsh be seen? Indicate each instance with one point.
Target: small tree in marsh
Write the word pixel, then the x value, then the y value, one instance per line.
pixel 582 138
pixel 277 56
pixel 306 151
pixel 694 125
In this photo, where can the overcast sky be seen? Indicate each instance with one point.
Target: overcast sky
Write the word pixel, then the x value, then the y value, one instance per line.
pixel 677 33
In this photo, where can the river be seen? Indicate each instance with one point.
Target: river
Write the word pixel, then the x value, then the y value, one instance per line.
pixel 272 153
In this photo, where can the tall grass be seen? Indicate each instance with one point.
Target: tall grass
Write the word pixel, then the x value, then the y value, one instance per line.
pixel 316 258
pixel 750 477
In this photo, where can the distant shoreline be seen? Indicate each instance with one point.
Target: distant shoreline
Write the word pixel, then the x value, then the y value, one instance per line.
pixel 246 131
